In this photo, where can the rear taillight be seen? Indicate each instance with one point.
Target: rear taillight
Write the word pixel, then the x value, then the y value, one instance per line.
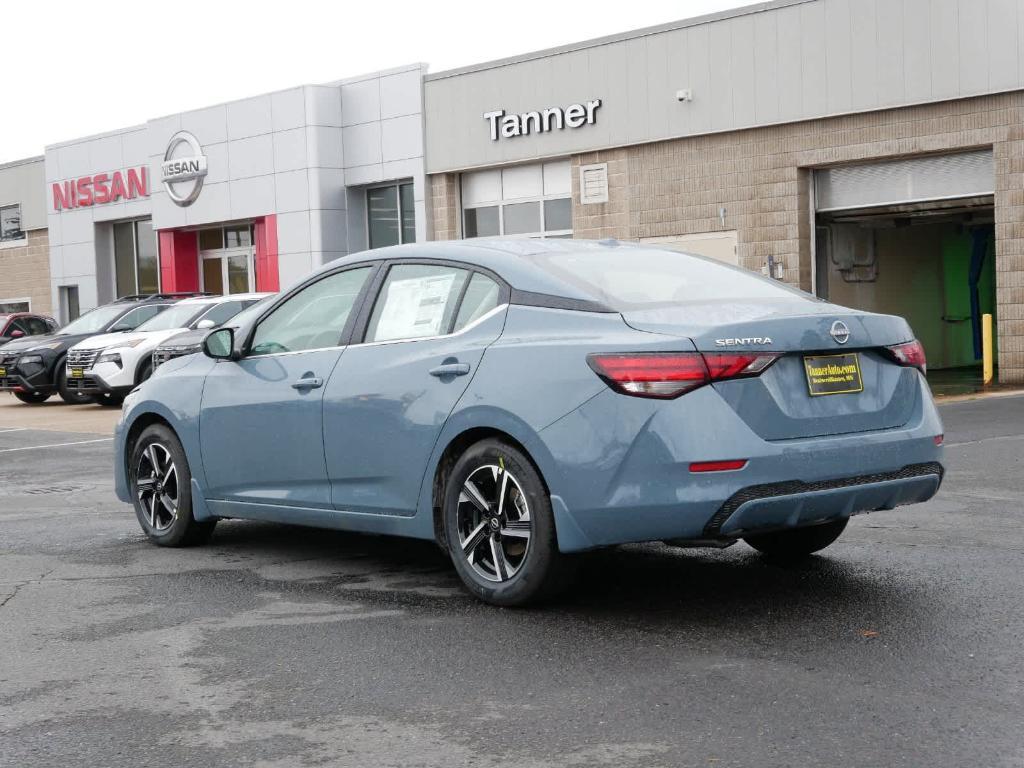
pixel 910 354
pixel 670 374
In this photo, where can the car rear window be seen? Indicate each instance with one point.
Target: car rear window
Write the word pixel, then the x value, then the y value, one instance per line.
pixel 637 278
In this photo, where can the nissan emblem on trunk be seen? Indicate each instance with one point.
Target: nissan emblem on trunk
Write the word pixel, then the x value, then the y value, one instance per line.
pixel 184 162
pixel 840 332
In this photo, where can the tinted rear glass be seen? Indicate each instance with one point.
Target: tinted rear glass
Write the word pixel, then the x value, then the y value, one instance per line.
pixel 635 278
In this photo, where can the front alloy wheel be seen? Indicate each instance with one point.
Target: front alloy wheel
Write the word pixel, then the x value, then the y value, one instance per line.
pixel 161 487
pixel 499 527
pixel 156 482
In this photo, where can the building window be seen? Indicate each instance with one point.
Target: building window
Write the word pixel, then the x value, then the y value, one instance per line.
pixel 518 201
pixel 136 264
pixel 227 259
pixel 15 305
pixel 390 215
pixel 10 224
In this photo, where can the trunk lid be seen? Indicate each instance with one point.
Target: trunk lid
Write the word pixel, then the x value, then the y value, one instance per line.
pixel 778 405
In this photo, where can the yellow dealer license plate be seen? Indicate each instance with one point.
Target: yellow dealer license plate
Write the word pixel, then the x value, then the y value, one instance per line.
pixel 77 373
pixel 833 374
pixel 3 372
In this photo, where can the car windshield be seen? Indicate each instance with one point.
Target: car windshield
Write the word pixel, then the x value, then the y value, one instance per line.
pixel 178 316
pixel 628 278
pixel 95 320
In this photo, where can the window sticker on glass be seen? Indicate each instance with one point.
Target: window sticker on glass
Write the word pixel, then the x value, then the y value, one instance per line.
pixel 414 307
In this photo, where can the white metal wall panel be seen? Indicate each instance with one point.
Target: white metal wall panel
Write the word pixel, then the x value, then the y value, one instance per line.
pixel 937 177
pixel 772 62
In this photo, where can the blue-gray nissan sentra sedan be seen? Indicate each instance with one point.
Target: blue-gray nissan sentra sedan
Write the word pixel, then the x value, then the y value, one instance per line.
pixel 519 401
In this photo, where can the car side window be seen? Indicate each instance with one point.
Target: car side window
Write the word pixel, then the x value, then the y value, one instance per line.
pixel 480 298
pixel 19 325
pixel 416 301
pixel 37 326
pixel 139 315
pixel 313 318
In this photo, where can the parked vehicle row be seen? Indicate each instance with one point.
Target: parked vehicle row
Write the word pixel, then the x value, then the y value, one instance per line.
pixel 522 401
pixel 108 351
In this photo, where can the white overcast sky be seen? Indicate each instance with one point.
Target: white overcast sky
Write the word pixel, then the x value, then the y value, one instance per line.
pixel 72 69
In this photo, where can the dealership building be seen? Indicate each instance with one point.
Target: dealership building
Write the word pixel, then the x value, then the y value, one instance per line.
pixel 870 153
pixel 248 195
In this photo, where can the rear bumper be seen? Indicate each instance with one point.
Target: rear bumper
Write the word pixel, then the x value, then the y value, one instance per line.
pixel 778 506
pixel 620 471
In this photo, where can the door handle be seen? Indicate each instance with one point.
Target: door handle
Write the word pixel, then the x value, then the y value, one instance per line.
pixel 310 382
pixel 450 369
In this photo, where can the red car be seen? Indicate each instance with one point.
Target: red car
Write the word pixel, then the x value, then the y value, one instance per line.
pixel 17 325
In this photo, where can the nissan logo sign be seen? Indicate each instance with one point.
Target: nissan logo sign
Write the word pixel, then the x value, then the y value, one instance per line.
pixel 840 332
pixel 183 168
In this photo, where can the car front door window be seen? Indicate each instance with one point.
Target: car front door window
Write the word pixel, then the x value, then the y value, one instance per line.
pixel 314 318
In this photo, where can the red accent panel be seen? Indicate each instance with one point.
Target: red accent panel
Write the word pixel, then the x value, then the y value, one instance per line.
pixel 179 261
pixel 267 277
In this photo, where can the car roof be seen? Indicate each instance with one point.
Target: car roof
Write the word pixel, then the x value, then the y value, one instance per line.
pixel 504 256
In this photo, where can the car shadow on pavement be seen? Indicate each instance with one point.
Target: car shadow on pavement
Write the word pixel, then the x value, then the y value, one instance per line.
pixel 652 586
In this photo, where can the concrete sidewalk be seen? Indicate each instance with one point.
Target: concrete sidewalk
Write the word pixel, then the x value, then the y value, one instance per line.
pixel 57 415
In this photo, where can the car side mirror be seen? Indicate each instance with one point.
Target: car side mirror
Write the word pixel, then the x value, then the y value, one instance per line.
pixel 16 334
pixel 220 344
pixel 202 325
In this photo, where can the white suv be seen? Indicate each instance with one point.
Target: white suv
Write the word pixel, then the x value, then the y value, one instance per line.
pixel 111 365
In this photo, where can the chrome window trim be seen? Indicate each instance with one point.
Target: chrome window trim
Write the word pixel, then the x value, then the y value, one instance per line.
pixel 266 355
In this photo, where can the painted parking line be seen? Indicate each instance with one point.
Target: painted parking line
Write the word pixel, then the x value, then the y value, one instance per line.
pixel 56 445
pixel 12 429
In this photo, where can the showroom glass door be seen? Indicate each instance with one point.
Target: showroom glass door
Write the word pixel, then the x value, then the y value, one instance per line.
pixel 227 256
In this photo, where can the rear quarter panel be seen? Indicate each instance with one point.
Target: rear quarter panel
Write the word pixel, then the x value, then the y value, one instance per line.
pixel 534 375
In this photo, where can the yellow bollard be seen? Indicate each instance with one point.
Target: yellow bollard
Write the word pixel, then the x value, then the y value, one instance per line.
pixel 986 349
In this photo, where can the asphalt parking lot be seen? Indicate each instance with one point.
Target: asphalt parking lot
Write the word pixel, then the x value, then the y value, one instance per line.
pixel 278 646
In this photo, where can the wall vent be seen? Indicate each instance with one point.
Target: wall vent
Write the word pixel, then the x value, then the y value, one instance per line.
pixel 594 183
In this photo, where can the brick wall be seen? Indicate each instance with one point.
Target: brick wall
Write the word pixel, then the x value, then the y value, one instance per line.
pixel 25 272
pixel 444 206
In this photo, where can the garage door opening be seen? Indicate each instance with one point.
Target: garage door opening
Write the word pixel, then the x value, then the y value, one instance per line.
pixel 931 261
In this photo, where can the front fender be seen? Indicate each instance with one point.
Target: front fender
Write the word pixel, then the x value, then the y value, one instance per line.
pixel 174 397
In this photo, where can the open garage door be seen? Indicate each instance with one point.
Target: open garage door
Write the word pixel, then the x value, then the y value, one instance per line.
pixel 913 237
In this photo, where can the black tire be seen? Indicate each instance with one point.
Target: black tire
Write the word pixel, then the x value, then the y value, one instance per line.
pixel 32 398
pixel 799 542
pixel 70 396
pixel 164 527
pixel 145 372
pixel 541 570
pixel 108 399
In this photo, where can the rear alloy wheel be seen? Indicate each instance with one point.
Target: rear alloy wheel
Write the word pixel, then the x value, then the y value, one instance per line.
pixel 32 398
pixel 798 542
pixel 161 485
pixel 68 395
pixel 500 528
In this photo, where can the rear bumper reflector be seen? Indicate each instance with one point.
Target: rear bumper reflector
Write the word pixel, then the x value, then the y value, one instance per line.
pixel 718 466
